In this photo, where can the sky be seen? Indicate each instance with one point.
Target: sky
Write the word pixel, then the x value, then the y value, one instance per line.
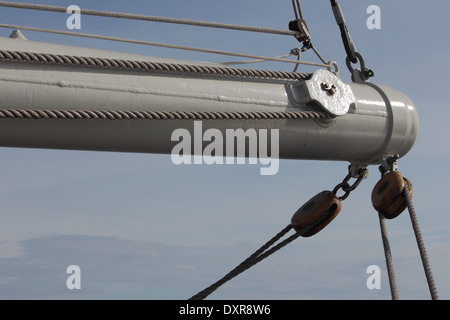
pixel 140 227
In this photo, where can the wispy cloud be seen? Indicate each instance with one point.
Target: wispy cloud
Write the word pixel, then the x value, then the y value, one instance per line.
pixel 113 268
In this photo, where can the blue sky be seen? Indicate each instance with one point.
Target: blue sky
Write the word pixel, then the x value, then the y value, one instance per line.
pixel 140 227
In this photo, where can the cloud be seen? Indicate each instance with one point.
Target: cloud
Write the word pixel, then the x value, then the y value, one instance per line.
pixel 114 268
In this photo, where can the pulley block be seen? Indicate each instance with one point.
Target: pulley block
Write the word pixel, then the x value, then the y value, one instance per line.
pixel 300 26
pixel 387 195
pixel 316 214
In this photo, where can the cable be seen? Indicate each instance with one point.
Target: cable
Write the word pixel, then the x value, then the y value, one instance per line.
pixel 297 9
pixel 420 244
pixel 256 257
pixel 254 61
pixel 306 41
pixel 142 17
pixel 388 256
pixel 157 44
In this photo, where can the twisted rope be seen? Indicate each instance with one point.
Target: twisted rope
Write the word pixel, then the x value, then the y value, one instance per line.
pixel 263 253
pixel 249 262
pixel 37 114
pixel 388 256
pixel 420 243
pixel 69 60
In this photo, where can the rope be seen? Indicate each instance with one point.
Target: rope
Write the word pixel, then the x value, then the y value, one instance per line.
pixel 249 262
pixel 420 244
pixel 263 253
pixel 18 56
pixel 306 45
pixel 163 45
pixel 297 9
pixel 68 60
pixel 256 61
pixel 318 54
pixel 388 256
pixel 37 114
pixel 141 17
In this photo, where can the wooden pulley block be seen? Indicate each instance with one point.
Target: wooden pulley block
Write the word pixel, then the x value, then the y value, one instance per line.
pixel 317 213
pixel 387 197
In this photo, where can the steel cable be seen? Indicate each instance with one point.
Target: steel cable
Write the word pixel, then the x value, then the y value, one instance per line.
pixel 249 262
pixel 263 253
pixel 163 45
pixel 420 243
pixel 388 256
pixel 142 17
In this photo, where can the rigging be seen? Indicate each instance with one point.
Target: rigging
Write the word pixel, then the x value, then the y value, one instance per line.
pixel 329 65
pixel 317 212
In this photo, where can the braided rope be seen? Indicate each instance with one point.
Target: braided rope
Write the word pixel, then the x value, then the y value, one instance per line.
pixel 388 257
pixel 37 114
pixel 69 60
pixel 262 253
pixel 256 257
pixel 420 244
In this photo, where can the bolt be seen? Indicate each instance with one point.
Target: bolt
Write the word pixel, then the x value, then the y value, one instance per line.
pixel 331 89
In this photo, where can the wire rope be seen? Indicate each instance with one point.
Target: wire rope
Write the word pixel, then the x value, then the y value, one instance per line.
pixel 157 44
pixel 142 17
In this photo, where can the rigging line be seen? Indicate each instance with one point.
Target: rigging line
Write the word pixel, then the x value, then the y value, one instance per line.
pixel 157 44
pixel 423 253
pixel 142 17
pixel 299 58
pixel 61 114
pixel 254 61
pixel 299 15
pixel 318 54
pixel 297 9
pixel 146 66
pixel 388 257
pixel 264 252
pixel 256 257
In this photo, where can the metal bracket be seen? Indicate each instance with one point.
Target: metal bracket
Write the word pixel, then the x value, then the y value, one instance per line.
pixel 389 164
pixel 356 169
pixel 327 90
